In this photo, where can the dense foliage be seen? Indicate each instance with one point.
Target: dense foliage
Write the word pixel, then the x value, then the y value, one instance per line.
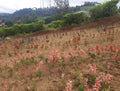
pixel 29 15
pixel 106 9
pixel 84 7
pixel 21 29
pixel 119 9
pixel 57 24
pixel 76 18
pixel 71 20
pixel 27 20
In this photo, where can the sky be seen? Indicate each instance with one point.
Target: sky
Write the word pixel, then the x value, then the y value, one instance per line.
pixel 10 6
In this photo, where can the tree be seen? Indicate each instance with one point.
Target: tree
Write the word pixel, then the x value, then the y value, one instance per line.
pixel 119 9
pixel 110 8
pixel 96 12
pixel 87 3
pixel 62 7
pixel 8 23
pixel 76 18
pixel 106 9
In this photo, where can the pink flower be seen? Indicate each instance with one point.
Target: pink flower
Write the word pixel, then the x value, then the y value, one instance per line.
pixel 91 50
pixel 68 86
pixel 51 56
pixel 93 68
pixel 57 55
pixel 67 57
pixel 5 88
pixel 12 88
pixel 97 85
pixel 73 53
pixel 102 51
pixel 39 53
pixel 119 50
pixel 54 55
pixel 82 53
pixel 39 66
pixel 106 78
pixel 88 89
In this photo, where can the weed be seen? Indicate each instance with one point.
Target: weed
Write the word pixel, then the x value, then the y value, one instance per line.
pixel 91 80
pixel 33 88
pixel 1 69
pixel 52 66
pixel 81 88
pixel 39 73
pixel 10 71
pixel 63 64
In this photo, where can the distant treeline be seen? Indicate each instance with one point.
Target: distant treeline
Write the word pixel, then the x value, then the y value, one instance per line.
pixel 29 15
pixel 26 23
pixel 95 13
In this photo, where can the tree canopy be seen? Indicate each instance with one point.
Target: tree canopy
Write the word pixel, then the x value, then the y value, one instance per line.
pixel 62 7
pixel 106 9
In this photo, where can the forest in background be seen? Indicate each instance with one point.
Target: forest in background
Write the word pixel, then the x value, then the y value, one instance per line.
pixel 29 15
pixel 31 20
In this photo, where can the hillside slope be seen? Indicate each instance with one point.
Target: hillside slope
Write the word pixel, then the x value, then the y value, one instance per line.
pixel 104 23
pixel 78 58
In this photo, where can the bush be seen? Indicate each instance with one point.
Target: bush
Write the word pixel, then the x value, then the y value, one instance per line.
pixel 21 29
pixel 76 18
pixel 70 20
pixel 58 23
pixel 4 32
pixel 49 20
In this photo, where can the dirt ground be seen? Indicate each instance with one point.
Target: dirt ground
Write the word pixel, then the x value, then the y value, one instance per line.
pixel 26 63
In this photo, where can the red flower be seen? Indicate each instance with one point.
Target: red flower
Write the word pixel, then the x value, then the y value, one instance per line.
pixel 28 51
pixel 119 50
pixel 116 57
pixel 91 50
pixel 97 48
pixel 112 49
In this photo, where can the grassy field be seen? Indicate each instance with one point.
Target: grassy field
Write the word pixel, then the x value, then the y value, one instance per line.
pixel 77 60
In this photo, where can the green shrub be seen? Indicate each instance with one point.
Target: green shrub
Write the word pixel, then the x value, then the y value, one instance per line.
pixel 39 73
pixel 22 28
pixel 106 9
pixel 75 19
pixel 57 23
